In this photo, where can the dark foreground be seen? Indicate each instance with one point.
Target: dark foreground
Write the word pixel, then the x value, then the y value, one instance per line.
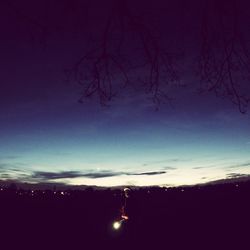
pixel 208 217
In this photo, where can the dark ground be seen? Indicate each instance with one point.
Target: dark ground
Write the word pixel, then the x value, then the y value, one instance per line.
pixel 201 217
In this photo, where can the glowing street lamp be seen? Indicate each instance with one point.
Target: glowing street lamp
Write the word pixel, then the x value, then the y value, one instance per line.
pixel 116 225
pixel 124 217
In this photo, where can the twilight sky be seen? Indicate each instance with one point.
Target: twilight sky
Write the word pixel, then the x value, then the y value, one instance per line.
pixel 47 136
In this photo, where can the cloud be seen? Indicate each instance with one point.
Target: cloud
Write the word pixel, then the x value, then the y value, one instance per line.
pixel 11 172
pixel 7 164
pixel 91 174
pixel 236 175
pixel 222 165
pixel 205 167
pixel 101 174
pixel 159 162
pixel 148 173
pixel 11 165
pixel 166 161
pixel 245 164
pixel 5 175
pixel 4 165
pixel 169 168
pixel 56 175
pixel 198 167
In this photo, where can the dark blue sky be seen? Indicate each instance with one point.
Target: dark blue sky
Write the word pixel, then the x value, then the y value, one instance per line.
pixel 46 135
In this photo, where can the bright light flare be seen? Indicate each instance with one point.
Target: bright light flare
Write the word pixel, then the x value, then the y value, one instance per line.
pixel 116 225
pixel 124 217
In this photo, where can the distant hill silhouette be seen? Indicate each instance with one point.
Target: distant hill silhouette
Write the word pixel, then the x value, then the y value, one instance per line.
pixel 232 178
pixel 213 216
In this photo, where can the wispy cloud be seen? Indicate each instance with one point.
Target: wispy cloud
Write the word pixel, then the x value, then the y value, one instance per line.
pixel 12 172
pixel 55 175
pixel 173 160
pixel 11 165
pixel 5 175
pixel 4 165
pixel 244 164
pixel 198 167
pixel 148 173
pixel 91 174
pixel 236 175
pixel 225 165
pixel 169 168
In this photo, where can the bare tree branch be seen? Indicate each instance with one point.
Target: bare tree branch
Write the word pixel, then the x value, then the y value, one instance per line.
pixel 224 56
pixel 127 52
pixel 99 69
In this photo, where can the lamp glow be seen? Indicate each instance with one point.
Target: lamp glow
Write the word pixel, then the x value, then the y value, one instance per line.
pixel 116 225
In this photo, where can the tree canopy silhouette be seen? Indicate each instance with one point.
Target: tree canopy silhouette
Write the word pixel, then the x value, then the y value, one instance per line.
pixel 151 46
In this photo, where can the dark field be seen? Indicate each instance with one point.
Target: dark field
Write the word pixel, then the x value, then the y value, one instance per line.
pixel 201 217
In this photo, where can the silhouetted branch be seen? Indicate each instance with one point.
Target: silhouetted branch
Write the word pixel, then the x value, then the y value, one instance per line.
pixel 224 56
pixel 127 52
pixel 99 69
